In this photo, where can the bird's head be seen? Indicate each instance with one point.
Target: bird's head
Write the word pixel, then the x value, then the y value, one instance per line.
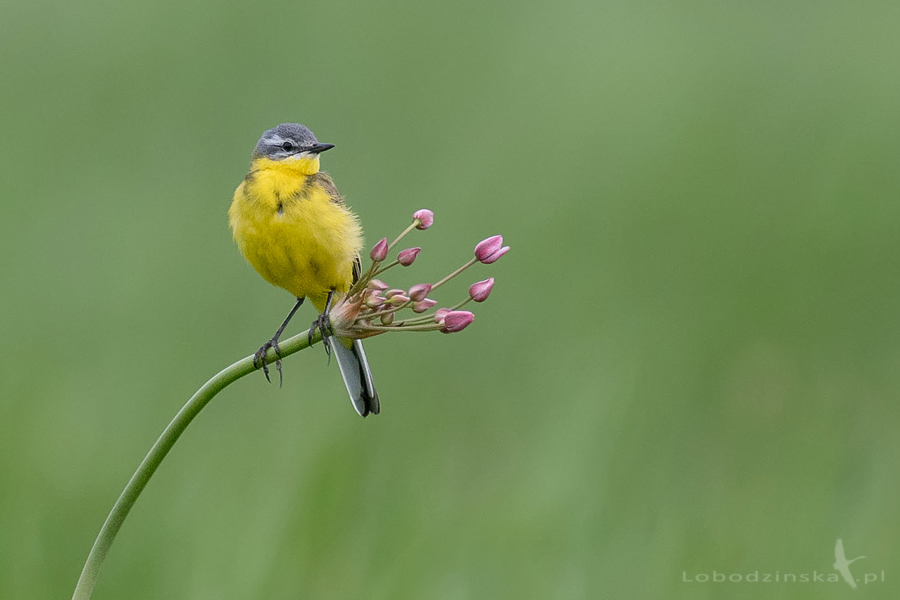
pixel 291 145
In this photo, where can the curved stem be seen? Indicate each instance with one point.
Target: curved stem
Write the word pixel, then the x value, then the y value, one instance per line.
pixel 161 448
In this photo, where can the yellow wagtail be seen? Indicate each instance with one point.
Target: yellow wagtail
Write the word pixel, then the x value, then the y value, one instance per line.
pixel 291 224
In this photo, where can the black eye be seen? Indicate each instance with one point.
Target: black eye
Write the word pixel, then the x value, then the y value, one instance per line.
pixel 287 146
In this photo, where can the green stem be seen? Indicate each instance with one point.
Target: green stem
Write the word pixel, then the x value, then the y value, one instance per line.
pixel 161 448
pixel 454 274
pixel 430 316
pixel 373 268
pixel 362 281
pixel 403 235
pixel 411 302
pixel 386 311
pixel 380 271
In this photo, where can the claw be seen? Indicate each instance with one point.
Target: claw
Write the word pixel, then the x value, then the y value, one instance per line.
pixel 259 359
pixel 323 324
pixel 278 366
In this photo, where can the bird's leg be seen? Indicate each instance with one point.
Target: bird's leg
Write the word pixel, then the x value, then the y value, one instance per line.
pixel 323 324
pixel 259 359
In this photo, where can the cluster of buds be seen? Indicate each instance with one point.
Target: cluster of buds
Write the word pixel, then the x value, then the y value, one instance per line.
pixel 372 307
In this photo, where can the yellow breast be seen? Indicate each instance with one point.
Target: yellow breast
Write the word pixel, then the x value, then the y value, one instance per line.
pixel 292 230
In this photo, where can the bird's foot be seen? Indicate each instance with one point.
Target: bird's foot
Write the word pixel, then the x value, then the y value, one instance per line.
pixel 323 324
pixel 259 359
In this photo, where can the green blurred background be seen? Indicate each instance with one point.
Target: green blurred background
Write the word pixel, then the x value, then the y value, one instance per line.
pixel 690 361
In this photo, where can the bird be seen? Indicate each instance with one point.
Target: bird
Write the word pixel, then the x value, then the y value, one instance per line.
pixel 292 225
pixel 842 564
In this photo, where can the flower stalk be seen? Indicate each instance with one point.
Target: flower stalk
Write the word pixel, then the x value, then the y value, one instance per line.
pixel 369 308
pixel 161 448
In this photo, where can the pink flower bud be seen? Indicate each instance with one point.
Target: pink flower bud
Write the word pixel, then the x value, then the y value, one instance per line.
pixel 419 291
pixel 379 250
pixel 480 291
pixel 377 284
pixel 398 300
pixel 488 246
pixel 490 249
pixel 406 257
pixel 387 319
pixel 393 292
pixel 496 255
pixel 423 305
pixel 440 314
pixel 374 301
pixel 425 218
pixel 457 320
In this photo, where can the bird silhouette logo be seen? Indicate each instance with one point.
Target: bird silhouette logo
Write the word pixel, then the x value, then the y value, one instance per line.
pixel 842 564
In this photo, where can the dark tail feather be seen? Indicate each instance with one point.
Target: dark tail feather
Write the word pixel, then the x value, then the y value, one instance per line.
pixel 357 376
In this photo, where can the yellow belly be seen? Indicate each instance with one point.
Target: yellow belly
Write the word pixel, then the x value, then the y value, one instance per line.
pixel 295 235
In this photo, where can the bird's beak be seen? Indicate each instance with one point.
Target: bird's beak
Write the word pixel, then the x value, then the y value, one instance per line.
pixel 320 148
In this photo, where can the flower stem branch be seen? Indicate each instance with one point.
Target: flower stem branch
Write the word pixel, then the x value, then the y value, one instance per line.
pixel 454 274
pixel 386 267
pixel 160 449
pixel 430 316
pixel 403 235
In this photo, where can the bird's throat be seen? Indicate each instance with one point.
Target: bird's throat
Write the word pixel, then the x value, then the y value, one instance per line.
pixel 303 165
